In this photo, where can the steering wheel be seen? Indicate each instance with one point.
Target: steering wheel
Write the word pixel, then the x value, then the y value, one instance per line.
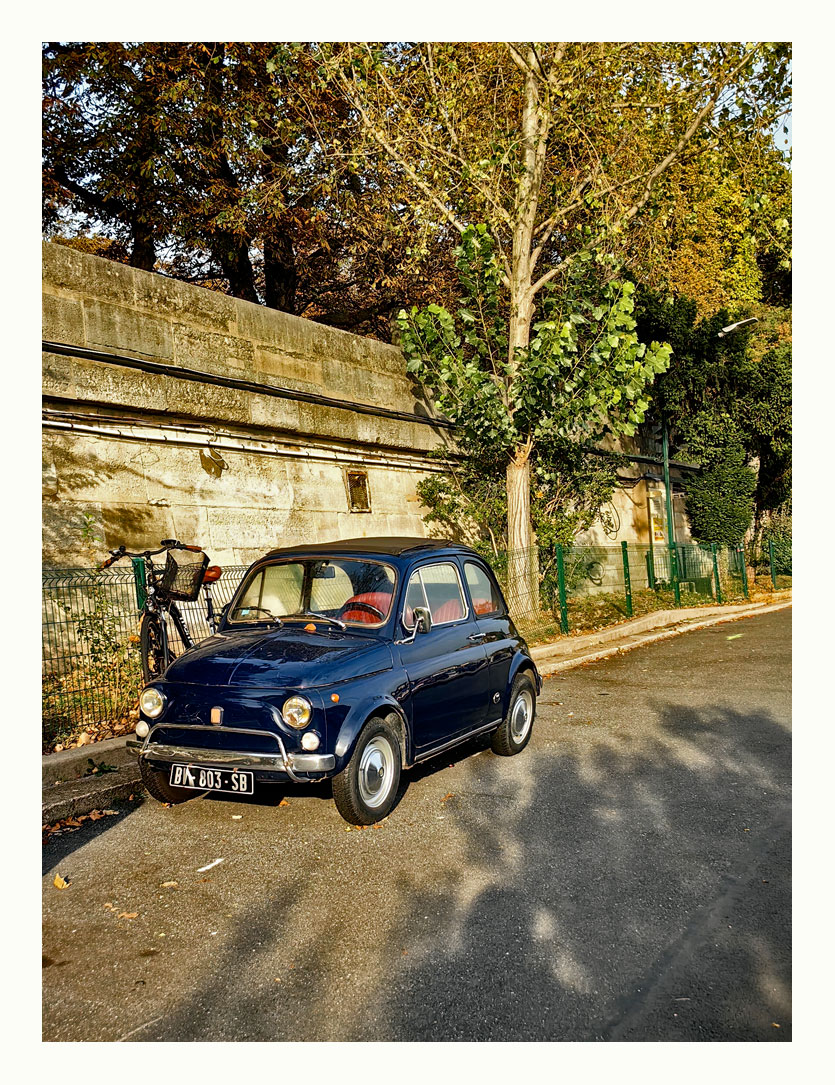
pixel 367 607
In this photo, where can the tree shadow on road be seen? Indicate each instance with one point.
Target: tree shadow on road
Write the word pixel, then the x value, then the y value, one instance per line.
pixel 606 884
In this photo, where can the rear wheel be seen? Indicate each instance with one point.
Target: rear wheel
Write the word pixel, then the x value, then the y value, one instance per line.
pixel 151 647
pixel 157 785
pixel 514 733
pixel 366 789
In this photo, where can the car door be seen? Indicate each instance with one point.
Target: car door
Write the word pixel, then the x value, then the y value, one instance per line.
pixel 494 628
pixel 447 667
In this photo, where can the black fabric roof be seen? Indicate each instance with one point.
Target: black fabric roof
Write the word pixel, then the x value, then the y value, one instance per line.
pixel 389 545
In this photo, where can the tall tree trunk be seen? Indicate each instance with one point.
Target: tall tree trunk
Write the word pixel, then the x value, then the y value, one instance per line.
pixel 232 254
pixel 280 275
pixel 143 253
pixel 523 580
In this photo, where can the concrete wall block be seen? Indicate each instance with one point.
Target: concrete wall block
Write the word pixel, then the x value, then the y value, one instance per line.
pixel 183 477
pixel 183 302
pixel 57 376
pixel 206 401
pixel 116 385
pixel 277 414
pixel 93 470
pixel 287 371
pixel 212 352
pixel 62 320
pixel 113 327
pixel 67 270
pixel 136 524
pixel 62 526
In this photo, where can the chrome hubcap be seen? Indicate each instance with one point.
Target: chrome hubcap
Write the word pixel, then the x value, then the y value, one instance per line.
pixel 521 715
pixel 376 771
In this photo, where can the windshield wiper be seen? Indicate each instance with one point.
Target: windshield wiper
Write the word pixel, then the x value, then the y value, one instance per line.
pixel 319 617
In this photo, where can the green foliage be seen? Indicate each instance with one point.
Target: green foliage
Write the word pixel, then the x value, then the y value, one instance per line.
pixel 735 390
pixel 720 500
pixel 584 370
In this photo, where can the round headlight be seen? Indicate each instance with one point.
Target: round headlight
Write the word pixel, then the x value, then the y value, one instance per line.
pixel 152 702
pixel 142 729
pixel 297 711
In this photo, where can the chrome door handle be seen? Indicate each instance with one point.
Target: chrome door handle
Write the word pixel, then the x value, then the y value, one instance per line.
pixel 476 638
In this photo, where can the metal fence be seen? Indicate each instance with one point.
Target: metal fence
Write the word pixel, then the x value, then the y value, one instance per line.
pixel 91 664
pixel 570 588
pixel 91 668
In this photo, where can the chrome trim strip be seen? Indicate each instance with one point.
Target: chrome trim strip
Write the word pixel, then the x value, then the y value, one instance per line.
pixel 291 763
pixel 457 741
pixel 307 762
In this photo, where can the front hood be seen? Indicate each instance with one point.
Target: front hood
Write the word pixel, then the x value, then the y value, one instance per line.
pixel 280 658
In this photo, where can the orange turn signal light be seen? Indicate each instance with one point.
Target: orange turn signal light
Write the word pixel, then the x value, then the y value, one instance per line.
pixel 212 574
pixel 334 697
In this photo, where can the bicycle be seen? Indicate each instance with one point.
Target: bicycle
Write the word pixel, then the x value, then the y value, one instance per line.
pixel 186 570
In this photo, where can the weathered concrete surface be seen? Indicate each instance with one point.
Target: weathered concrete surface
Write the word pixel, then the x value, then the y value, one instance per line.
pixel 627 877
pixel 129 448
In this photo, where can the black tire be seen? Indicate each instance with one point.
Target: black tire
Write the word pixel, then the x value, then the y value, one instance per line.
pixel 157 785
pixel 150 647
pixel 514 732
pixel 363 794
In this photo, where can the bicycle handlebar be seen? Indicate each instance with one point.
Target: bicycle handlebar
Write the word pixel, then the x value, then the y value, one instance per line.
pixel 165 544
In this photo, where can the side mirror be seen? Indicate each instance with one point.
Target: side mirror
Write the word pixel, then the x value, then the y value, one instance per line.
pixel 423 620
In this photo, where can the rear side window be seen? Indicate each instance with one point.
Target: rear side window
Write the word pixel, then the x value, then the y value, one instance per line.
pixel 483 592
pixel 438 588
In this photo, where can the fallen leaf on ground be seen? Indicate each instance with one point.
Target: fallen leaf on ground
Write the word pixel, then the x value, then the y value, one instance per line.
pixel 237 817
pixel 128 915
pixel 60 882
pixel 107 904
pixel 284 802
pixel 449 795
pixel 168 885
pixel 736 636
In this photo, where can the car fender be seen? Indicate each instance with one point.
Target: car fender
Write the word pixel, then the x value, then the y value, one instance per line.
pixel 520 660
pixel 374 705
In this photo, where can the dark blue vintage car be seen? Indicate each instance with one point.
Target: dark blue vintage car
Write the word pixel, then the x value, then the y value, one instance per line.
pixel 351 661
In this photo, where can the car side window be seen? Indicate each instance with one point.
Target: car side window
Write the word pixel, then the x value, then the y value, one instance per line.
pixel 437 587
pixel 483 591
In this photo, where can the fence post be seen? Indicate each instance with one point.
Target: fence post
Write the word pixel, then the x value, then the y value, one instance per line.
pixel 627 583
pixel 771 563
pixel 561 587
pixel 741 550
pixel 716 580
pixel 139 581
pixel 674 574
pixel 651 569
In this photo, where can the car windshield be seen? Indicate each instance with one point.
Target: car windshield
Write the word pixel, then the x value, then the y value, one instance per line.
pixel 342 589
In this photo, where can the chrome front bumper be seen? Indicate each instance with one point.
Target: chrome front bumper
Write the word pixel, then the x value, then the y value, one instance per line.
pixel 280 761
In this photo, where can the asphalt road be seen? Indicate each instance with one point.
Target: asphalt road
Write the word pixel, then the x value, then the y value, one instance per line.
pixel 627 877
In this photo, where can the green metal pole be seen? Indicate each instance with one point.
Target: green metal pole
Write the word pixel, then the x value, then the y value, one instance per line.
pixel 650 569
pixel 561 587
pixel 627 583
pixel 674 575
pixel 771 563
pixel 744 571
pixel 139 581
pixel 716 573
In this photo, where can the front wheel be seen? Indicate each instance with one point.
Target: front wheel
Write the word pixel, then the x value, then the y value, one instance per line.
pixel 157 785
pixel 366 789
pixel 152 647
pixel 514 732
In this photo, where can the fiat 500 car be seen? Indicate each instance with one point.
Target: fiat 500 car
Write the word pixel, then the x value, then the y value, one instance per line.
pixel 351 661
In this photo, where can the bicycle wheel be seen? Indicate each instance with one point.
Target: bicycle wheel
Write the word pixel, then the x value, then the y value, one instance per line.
pixel 152 647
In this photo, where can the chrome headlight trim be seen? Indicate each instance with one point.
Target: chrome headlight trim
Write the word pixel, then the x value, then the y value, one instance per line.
pixel 152 702
pixel 297 711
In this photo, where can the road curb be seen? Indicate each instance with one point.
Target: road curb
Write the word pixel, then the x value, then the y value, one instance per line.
pixel 573 652
pixel 66 790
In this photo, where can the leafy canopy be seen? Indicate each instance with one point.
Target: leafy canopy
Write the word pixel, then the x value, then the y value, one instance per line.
pixel 584 371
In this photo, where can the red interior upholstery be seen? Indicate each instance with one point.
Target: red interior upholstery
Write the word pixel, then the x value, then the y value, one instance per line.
pixel 482 606
pixel 379 599
pixel 448 612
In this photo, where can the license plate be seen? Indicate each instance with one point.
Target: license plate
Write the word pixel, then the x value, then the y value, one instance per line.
pixel 203 779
